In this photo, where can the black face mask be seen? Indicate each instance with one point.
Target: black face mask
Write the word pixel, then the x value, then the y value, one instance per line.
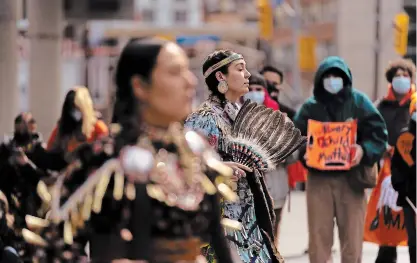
pixel 274 96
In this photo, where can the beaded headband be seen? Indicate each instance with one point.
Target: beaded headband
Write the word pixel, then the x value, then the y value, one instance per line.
pixel 221 63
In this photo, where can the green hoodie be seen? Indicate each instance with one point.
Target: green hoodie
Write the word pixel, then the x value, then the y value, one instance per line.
pixel 348 103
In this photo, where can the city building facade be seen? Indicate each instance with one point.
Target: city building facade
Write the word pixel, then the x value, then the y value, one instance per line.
pixel 347 29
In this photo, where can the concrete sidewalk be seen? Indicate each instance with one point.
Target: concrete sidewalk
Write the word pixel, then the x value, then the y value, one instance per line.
pixel 294 236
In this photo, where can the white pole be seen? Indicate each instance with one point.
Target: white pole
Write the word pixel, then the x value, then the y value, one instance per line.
pixel 9 91
pixel 45 32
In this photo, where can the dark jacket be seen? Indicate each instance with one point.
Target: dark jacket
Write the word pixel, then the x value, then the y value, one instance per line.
pixel 290 112
pixel 21 180
pixel 395 114
pixel 403 165
pixel 348 103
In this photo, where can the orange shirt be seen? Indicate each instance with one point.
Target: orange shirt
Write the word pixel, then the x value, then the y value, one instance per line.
pixel 100 130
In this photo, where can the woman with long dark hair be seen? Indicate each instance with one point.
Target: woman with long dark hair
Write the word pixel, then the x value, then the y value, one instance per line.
pixel 162 206
pixel 78 123
pixel 227 79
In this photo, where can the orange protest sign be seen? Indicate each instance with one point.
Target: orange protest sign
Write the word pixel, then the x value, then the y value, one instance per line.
pixel 329 144
pixel 384 221
pixel 404 147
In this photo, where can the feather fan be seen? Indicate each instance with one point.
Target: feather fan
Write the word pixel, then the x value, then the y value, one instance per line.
pixel 261 138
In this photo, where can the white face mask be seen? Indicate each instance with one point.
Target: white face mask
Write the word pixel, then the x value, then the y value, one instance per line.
pixel 76 115
pixel 255 96
pixel 333 85
pixel 401 85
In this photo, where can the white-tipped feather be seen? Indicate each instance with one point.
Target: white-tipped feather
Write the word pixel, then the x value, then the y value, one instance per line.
pixel 261 133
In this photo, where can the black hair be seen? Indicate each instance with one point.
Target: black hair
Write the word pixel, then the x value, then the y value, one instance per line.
pixel 18 119
pixel 404 64
pixel 138 58
pixel 67 125
pixel 257 79
pixel 211 80
pixel 270 87
pixel 338 73
pixel 273 69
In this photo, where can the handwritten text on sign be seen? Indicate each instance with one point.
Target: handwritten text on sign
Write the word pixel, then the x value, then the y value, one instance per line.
pixel 330 144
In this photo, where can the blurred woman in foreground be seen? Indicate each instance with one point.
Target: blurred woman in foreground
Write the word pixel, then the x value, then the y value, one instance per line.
pixel 162 206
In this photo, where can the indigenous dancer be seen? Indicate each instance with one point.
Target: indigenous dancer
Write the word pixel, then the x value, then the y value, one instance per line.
pixel 228 79
pixel 162 206
pixel 78 122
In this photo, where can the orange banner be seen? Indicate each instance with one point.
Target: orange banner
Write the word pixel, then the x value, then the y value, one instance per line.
pixel 330 144
pixel 384 222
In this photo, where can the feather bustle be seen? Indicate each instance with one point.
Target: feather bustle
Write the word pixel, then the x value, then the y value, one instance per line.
pixel 261 137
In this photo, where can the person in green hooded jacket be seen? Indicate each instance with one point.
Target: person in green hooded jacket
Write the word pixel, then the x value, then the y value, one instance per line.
pixel 331 195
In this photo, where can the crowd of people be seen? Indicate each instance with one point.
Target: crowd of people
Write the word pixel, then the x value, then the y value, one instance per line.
pixel 166 183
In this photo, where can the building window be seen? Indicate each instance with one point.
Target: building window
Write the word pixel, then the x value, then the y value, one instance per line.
pixel 315 12
pixel 325 49
pixel 228 6
pixel 331 48
pixel 147 15
pixel 211 6
pixel 180 16
pixel 329 10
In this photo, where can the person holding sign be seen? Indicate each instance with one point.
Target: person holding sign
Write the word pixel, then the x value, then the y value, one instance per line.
pixel 394 108
pixel 403 177
pixel 346 137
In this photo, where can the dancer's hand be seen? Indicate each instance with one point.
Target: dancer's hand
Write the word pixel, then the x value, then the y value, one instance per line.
pixel 238 170
pixel 238 165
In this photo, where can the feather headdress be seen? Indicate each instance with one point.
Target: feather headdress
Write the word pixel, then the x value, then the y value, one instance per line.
pixel 261 138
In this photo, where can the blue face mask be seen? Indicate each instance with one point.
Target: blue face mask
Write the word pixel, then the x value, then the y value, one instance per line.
pixel 255 96
pixel 413 116
pixel 333 85
pixel 401 85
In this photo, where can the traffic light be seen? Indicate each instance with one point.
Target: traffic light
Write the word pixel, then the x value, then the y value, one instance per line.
pixel 266 19
pixel 401 33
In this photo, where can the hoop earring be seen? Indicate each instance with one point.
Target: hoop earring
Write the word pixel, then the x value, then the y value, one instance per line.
pixel 222 87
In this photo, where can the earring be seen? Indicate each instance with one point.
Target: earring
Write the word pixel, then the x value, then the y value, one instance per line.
pixel 222 87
